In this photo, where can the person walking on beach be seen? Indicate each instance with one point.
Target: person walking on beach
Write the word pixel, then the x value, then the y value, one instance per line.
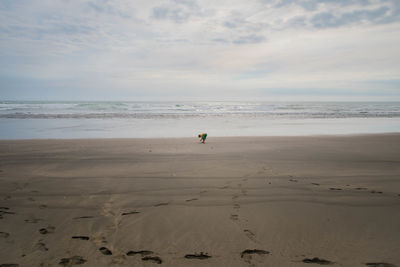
pixel 203 137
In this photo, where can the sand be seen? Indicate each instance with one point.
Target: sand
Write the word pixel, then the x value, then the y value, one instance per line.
pixel 246 201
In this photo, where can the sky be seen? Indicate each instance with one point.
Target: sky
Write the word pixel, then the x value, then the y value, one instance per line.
pixel 188 49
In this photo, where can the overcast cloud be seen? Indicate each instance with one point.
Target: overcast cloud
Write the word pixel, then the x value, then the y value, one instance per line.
pixel 116 50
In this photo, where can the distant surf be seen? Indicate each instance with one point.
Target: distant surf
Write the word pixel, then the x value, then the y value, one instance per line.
pixel 29 119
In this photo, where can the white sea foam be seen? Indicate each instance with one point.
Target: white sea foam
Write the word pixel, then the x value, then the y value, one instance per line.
pixel 21 120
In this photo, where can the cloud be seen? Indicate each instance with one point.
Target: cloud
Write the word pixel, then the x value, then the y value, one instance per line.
pixel 326 19
pixel 174 47
pixel 249 39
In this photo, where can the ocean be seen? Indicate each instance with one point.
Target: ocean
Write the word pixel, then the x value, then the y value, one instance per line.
pixel 44 120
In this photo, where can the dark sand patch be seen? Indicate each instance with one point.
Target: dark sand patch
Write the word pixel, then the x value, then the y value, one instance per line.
pixel 83 217
pixel 139 252
pixel 129 213
pixel 234 217
pixel 155 259
pixel 82 237
pixel 9 265
pixel 6 212
pixel 161 204
pixel 48 230
pixel 335 189
pixel 105 251
pixel 34 220
pixel 192 199
pixel 75 260
pixel 253 251
pixel 4 234
pixel 380 264
pixel 199 256
pixel 317 261
pixel 41 246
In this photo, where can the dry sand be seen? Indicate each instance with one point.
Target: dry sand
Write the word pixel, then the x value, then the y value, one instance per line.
pixel 249 201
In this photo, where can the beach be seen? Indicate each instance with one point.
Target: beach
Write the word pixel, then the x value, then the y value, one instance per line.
pixel 233 201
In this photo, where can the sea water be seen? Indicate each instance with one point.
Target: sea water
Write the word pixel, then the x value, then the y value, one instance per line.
pixel 31 120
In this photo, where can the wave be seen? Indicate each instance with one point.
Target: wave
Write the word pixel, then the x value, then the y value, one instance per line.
pixel 149 110
pixel 287 115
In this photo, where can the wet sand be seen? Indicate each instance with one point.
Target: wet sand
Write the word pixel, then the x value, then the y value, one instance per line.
pixel 248 201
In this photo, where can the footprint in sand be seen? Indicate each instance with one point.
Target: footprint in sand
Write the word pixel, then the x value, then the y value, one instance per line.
pixel 4 235
pixel 317 260
pixel 253 251
pixel 42 206
pixel 75 260
pixel 380 264
pixel 198 256
pixel 81 237
pixel 4 212
pixel 293 180
pixel 376 192
pixel 83 217
pixel 9 265
pixel 139 252
pixel 41 246
pixel 236 206
pixel 48 230
pixel 234 217
pixel 247 254
pixel 250 235
pixel 154 259
pixel 335 189
pixel 105 251
pixel 315 184
pixel 99 239
pixel 161 204
pixel 33 220
pixel 192 199
pixel 130 212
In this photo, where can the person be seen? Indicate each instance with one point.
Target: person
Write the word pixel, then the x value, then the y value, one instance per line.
pixel 203 137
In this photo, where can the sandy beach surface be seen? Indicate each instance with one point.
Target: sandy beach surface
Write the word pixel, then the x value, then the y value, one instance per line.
pixel 240 201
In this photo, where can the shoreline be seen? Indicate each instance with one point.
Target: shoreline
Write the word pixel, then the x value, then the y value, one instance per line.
pixel 213 137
